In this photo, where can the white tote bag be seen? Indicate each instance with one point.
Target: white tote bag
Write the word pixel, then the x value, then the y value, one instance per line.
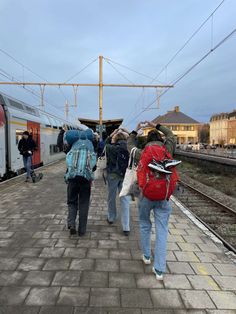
pixel 130 178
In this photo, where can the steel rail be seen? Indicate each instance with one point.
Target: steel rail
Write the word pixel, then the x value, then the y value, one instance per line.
pixel 225 207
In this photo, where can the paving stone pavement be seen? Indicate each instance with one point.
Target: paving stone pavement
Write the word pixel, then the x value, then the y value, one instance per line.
pixel 45 271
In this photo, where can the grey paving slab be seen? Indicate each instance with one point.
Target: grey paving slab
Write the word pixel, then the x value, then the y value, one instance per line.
pixel 38 278
pixel 97 253
pixel 8 263
pixel 203 282
pixel 226 282
pixel 223 299
pixel 212 257
pixel 131 266
pixel 11 278
pixel 176 282
pixel 57 264
pixel 169 299
pixel 104 297
pixel 74 296
pixel 82 264
pixel 148 281
pixel 120 254
pixel 28 264
pixel 43 296
pixel 13 295
pixel 122 280
pixel 180 268
pixel 139 298
pixel 66 278
pixel 56 310
pixel 75 252
pixel 186 256
pixel 226 269
pixel 196 299
pixel 19 309
pixel 94 279
pixel 29 252
pixel 220 311
pixel 107 265
pixel 211 248
pixel 204 269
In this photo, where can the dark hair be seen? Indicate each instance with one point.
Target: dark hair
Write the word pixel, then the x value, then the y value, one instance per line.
pixel 154 136
pixel 26 133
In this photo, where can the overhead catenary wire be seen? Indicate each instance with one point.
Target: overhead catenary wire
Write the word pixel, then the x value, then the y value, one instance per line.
pixel 77 73
pixel 35 94
pixel 27 68
pixel 121 74
pixel 164 68
pixel 188 40
pixel 128 68
pixel 174 82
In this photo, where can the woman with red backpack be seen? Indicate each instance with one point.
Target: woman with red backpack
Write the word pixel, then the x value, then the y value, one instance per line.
pixel 156 179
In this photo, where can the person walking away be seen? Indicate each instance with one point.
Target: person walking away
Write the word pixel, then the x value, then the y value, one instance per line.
pixel 161 208
pixel 117 163
pixel 26 147
pixel 81 163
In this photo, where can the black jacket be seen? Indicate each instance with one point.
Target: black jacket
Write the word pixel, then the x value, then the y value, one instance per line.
pixel 25 146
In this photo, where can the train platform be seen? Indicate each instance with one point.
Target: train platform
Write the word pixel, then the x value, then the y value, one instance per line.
pixel 44 271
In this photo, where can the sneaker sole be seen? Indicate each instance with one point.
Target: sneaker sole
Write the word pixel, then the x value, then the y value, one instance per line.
pixel 146 262
pixel 158 277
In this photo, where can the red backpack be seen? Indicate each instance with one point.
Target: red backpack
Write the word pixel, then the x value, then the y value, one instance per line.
pixel 155 186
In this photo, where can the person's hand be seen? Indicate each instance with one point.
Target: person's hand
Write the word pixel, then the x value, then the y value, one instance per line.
pixel 139 126
pixel 113 139
pixel 150 124
pixel 124 130
pixel 114 132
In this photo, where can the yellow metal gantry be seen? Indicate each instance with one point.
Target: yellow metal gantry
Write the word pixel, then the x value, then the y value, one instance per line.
pixel 76 85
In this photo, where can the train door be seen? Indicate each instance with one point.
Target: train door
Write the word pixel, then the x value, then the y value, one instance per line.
pixel 34 130
pixel 2 142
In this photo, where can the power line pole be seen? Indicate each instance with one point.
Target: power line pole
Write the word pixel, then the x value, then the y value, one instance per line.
pixel 100 95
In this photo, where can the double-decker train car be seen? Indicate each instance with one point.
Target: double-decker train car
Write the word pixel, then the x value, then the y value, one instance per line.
pixel 16 117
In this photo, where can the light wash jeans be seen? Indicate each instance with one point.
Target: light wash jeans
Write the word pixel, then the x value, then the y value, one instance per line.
pixel 162 211
pixel 27 160
pixel 114 185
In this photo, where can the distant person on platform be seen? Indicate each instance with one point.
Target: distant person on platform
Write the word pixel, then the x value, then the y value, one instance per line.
pixel 26 147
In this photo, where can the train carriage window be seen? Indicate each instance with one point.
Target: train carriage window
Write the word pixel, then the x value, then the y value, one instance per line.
pixel 18 136
pixel 54 149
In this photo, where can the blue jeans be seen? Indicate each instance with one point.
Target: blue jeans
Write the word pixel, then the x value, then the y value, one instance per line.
pixel 114 185
pixel 27 160
pixel 162 211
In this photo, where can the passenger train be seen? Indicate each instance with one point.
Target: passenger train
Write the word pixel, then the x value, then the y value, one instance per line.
pixel 16 117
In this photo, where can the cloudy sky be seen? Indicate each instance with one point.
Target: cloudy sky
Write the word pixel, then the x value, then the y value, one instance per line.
pixel 57 38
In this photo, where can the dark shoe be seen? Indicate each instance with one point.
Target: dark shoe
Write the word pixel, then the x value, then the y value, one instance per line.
pixel 81 234
pixel 110 222
pixel 72 231
pixel 27 179
pixel 126 233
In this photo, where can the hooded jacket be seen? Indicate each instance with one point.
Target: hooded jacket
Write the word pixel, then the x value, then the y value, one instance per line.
pixel 170 142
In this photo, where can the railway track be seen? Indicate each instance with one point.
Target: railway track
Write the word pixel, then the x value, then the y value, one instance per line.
pixel 217 217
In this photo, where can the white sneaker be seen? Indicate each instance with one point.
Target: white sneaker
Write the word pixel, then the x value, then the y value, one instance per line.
pixel 158 274
pixel 147 261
